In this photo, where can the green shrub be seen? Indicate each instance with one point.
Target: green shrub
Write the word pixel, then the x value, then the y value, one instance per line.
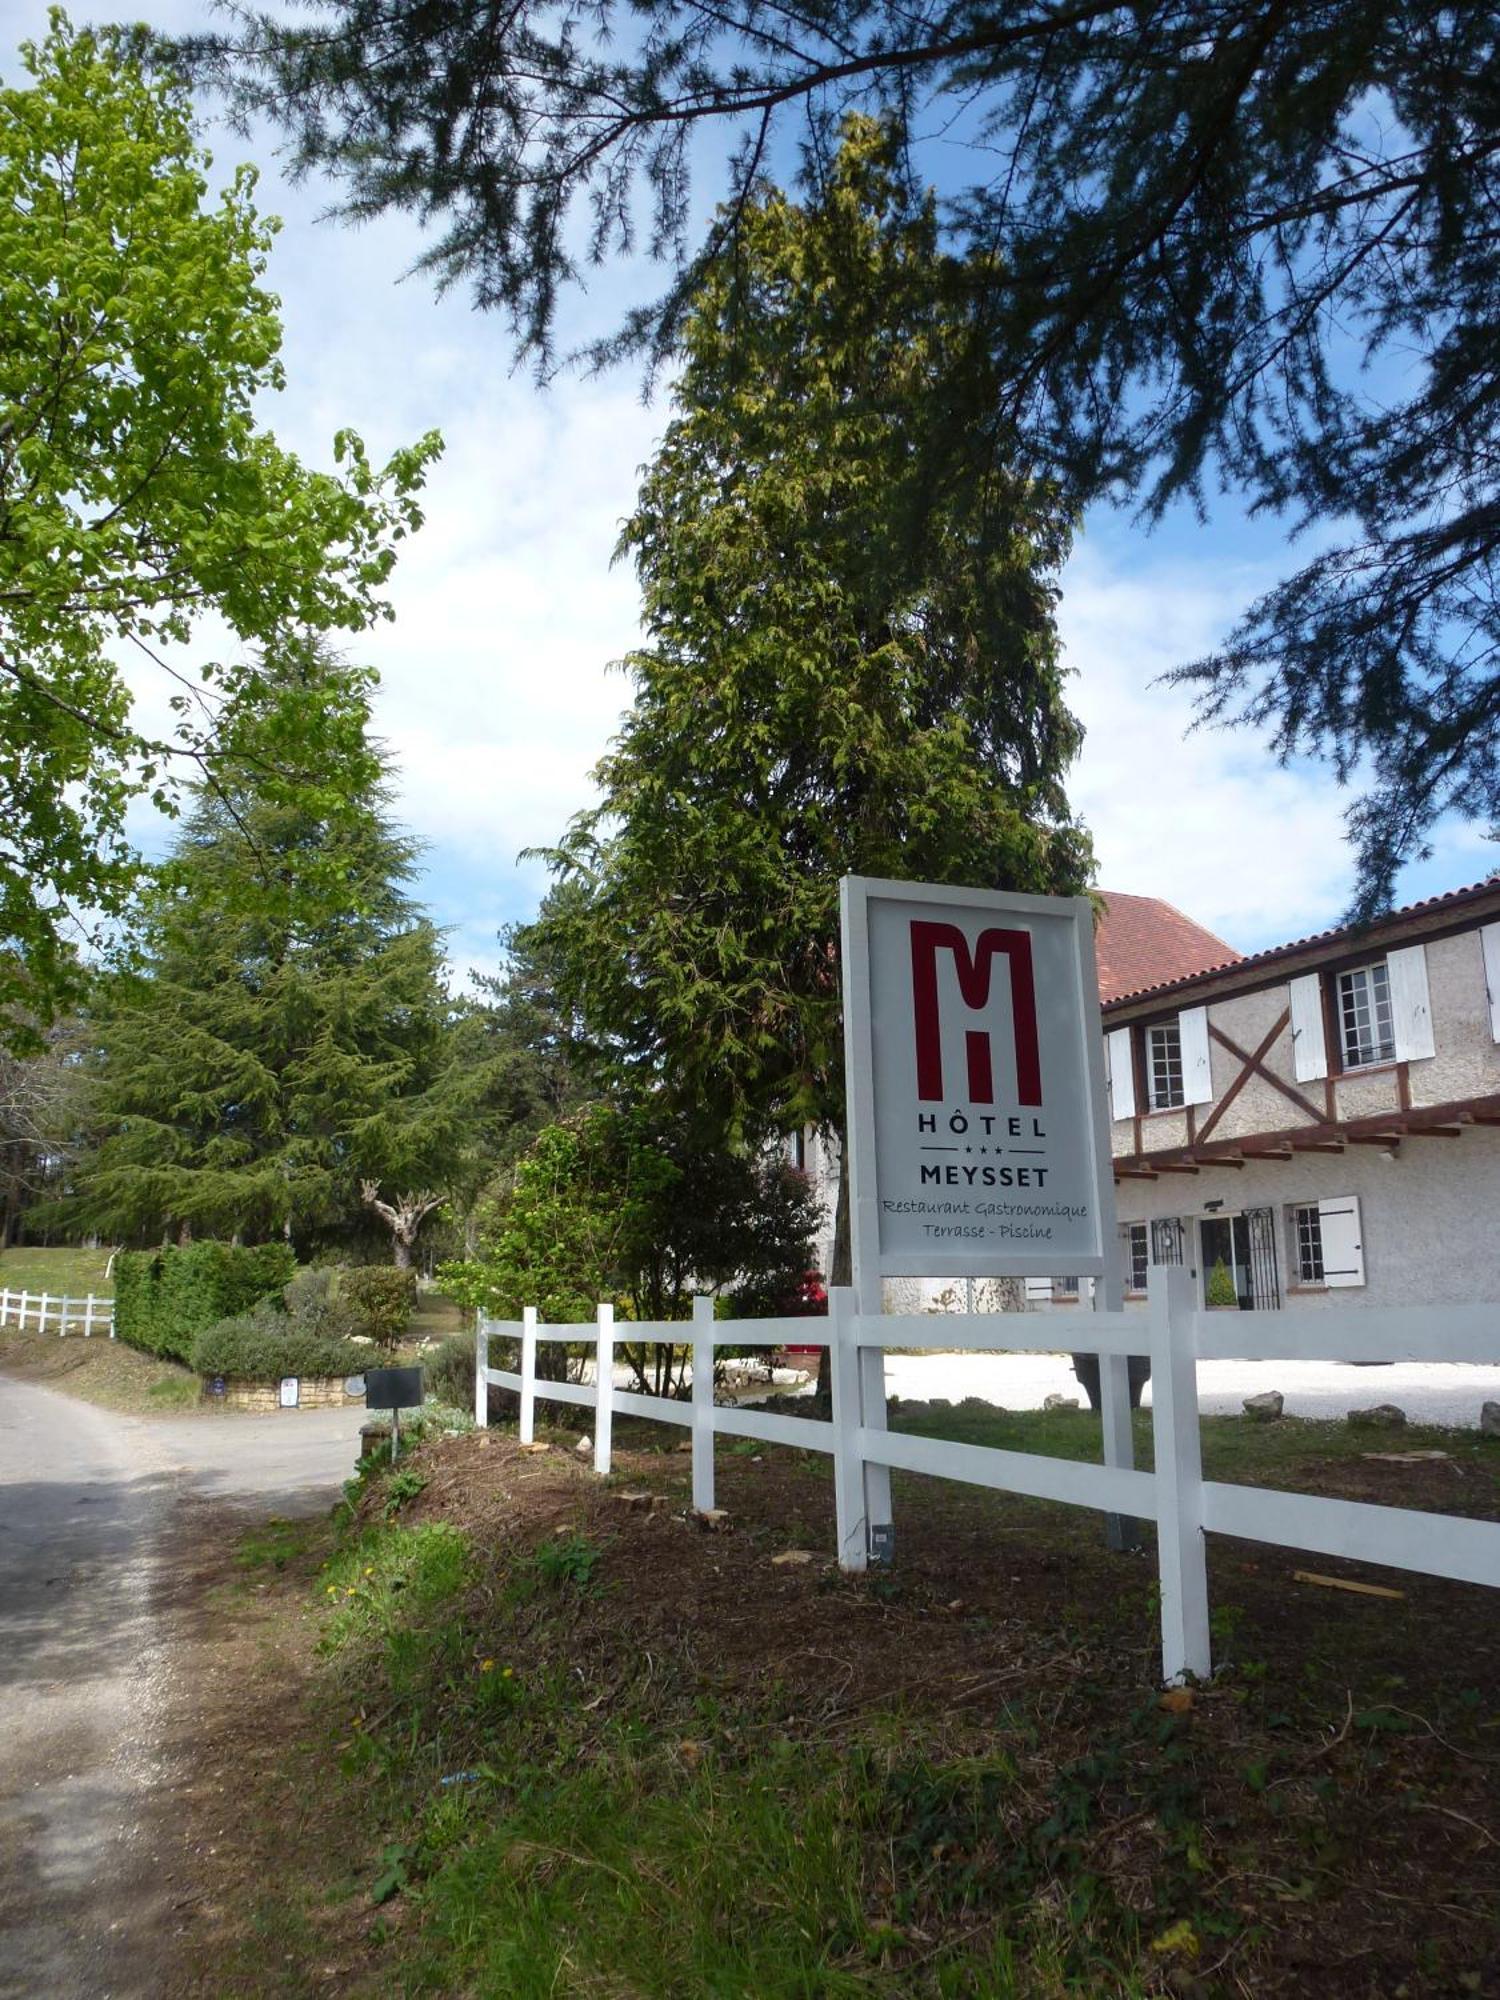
pixel 382 1300
pixel 165 1298
pixel 312 1288
pixel 265 1343
pixel 448 1372
pixel 1220 1288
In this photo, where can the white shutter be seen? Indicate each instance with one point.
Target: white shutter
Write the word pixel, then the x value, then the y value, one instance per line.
pixel 1197 1074
pixel 1309 1046
pixel 1489 944
pixel 1411 1009
pixel 1343 1247
pixel 1121 1074
pixel 1038 1291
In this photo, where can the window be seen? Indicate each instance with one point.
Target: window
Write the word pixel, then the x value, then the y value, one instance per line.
pixel 1366 1031
pixel 1164 1066
pixel 1168 1240
pixel 1307 1243
pixel 1065 1288
pixel 1135 1242
pixel 796 1149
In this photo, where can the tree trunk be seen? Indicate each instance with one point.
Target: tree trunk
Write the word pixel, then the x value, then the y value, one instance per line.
pixel 402 1251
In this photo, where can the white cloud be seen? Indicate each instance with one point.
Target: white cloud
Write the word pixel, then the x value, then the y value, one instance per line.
pixel 1206 820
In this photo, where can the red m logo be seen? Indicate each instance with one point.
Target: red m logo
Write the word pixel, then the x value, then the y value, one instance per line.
pixel 974 974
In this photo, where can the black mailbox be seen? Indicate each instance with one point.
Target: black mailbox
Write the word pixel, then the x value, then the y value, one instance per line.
pixel 393 1388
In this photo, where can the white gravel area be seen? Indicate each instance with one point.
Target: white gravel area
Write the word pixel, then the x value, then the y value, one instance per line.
pixel 1430 1392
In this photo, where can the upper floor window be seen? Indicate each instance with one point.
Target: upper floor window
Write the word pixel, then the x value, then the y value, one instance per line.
pixel 1366 1028
pixel 1164 1089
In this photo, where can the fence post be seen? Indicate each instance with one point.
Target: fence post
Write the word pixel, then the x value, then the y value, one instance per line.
pixel 41 1318
pixel 848 1467
pixel 1181 1555
pixel 1121 1533
pixel 604 1389
pixel 88 1316
pixel 880 1525
pixel 481 1371
pixel 703 1404
pixel 528 1374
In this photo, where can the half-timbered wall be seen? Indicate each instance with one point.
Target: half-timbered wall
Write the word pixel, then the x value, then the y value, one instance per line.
pixel 1414 1139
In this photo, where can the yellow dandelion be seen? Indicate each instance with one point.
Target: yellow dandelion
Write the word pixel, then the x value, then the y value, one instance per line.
pixel 505 1676
pixel 488 1667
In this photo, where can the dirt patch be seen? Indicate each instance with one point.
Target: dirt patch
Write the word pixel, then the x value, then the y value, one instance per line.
pixel 1326 1809
pixel 100 1371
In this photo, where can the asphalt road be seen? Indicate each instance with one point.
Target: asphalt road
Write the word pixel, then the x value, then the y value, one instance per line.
pixel 87 1503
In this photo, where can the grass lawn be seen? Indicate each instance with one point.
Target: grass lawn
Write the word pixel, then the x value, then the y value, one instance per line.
pixel 554 1741
pixel 71 1273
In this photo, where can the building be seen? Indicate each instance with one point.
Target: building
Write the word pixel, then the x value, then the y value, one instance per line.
pixel 1321 1119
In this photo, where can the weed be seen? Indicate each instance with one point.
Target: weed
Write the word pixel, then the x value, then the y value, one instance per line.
pixel 391 1878
pixel 402 1486
pixel 566 1559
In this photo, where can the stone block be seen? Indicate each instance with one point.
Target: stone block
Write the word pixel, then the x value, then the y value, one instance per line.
pixel 1379 1417
pixel 1264 1408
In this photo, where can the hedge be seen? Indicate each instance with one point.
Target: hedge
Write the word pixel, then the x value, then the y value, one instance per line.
pixel 163 1298
pixel 264 1345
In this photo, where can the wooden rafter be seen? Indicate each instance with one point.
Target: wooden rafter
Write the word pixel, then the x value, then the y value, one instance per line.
pixel 1437 1121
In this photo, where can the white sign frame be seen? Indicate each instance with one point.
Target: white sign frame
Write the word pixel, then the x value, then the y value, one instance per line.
pixel 1090 1131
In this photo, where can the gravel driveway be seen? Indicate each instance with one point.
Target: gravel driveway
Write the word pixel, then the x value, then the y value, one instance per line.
pixel 88 1504
pixel 1430 1392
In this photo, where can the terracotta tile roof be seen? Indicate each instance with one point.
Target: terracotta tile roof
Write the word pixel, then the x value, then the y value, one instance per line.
pixel 1143 942
pixel 1374 931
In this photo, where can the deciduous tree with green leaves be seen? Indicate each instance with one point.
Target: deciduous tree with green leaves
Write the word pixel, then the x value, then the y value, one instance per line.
pixel 850 664
pixel 139 496
pixel 623 1203
pixel 287 1038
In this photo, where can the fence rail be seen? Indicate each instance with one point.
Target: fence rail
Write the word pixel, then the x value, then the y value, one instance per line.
pixel 34 1310
pixel 1175 1333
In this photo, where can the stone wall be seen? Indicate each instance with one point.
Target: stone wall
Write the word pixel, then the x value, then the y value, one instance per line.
pixel 314 1393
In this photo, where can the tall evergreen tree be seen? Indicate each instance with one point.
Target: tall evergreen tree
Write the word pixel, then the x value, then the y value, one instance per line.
pixel 284 1057
pixel 851 662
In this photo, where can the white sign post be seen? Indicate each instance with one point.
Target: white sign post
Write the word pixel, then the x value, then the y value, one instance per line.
pixel 977 1131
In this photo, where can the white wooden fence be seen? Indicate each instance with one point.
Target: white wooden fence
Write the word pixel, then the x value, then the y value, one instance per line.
pixel 45 1312
pixel 1175 1332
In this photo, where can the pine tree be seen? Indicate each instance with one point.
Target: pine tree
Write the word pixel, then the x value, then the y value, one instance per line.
pixel 286 1040
pixel 851 663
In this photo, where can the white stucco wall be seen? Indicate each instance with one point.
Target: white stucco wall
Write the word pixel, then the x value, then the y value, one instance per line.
pixel 1430 1217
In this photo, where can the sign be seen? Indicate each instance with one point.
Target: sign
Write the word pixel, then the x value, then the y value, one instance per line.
pixel 291 1390
pixel 393 1388
pixel 217 1386
pixel 978 1140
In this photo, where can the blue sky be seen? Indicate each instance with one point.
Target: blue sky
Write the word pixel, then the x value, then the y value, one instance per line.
pixel 496 692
